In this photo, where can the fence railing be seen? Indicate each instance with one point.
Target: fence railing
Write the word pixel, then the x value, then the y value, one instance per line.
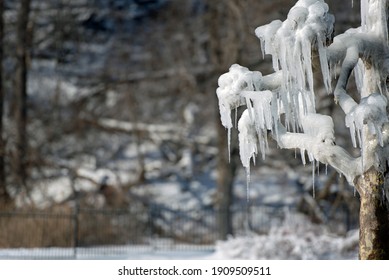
pixel 76 232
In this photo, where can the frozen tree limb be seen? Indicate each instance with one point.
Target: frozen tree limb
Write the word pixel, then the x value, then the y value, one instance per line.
pixel 347 49
pixel 321 148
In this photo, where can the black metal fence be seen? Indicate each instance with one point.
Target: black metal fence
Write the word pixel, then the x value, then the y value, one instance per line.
pixel 69 233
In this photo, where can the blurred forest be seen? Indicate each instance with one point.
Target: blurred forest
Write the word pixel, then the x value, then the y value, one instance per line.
pixel 101 100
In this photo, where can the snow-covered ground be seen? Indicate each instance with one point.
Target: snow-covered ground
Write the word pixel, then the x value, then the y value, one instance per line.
pixel 108 252
pixel 295 239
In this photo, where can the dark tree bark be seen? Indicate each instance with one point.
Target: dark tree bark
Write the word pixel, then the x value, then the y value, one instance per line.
pixel 4 196
pixel 19 166
pixel 226 173
pixel 224 19
pixel 373 216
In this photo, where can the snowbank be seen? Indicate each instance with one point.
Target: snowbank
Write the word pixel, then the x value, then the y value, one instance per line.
pixel 296 239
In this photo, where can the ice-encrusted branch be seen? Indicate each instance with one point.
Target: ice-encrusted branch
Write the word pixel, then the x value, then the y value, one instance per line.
pixel 365 50
pixel 234 88
pixel 347 49
pixel 237 80
pixel 367 53
pixel 318 141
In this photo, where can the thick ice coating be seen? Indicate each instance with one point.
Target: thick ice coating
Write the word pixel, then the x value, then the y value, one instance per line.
pixel 371 111
pixel 247 139
pixel 231 84
pixel 308 25
pixel 283 104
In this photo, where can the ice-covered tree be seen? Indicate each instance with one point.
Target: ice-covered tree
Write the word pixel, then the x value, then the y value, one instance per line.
pixel 282 104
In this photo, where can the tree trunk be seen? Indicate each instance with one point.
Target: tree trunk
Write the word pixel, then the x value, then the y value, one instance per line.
pixel 373 217
pixel 4 196
pixel 225 21
pixel 226 173
pixel 19 165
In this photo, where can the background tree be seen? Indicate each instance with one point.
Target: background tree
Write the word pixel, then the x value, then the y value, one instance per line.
pixel 4 196
pixel 225 21
pixel 284 103
pixel 21 141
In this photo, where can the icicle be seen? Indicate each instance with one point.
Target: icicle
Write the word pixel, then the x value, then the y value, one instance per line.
pixel 274 114
pixel 248 184
pixel 326 168
pixel 307 54
pixel 302 152
pixel 266 35
pixel 262 48
pixel 262 146
pixel 311 157
pixel 313 178
pixel 324 65
pixel 247 139
pixel 246 222
pixel 236 117
pixel 299 68
pixel 250 108
pixel 229 144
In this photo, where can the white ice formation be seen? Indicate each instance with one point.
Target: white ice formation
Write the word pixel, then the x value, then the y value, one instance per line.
pixel 289 92
pixel 290 42
pixel 370 113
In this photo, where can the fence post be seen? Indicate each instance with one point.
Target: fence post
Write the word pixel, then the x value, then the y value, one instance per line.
pixel 150 224
pixel 76 213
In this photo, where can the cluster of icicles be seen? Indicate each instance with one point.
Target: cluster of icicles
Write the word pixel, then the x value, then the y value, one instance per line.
pixel 289 91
